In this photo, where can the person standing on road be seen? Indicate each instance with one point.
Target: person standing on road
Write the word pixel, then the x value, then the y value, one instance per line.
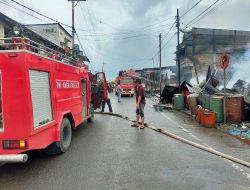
pixel 140 104
pixel 119 91
pixel 108 102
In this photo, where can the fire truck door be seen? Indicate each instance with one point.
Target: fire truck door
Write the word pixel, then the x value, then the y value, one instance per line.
pixel 84 98
pixel 102 85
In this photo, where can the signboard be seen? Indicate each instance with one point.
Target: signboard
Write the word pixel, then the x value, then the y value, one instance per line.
pixel 224 59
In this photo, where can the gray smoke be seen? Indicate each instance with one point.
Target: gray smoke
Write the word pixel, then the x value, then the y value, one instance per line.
pixel 241 68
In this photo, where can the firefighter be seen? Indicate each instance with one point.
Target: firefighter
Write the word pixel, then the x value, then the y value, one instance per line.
pixel 67 51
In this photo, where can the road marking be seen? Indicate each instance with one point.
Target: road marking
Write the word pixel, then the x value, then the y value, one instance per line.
pixel 238 168
pixel 182 128
pixel 235 166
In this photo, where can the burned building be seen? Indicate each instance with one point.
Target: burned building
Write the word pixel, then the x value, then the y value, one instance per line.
pixel 168 74
pixel 202 47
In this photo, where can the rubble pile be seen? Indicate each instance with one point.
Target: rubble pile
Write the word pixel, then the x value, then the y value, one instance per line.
pixel 205 102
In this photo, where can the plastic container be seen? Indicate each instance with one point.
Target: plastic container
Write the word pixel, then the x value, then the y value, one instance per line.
pixel 205 101
pixel 178 101
pixel 216 105
pixel 208 119
pixel 200 112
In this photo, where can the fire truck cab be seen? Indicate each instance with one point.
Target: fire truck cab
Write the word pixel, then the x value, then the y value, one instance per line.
pixel 42 98
pixel 127 85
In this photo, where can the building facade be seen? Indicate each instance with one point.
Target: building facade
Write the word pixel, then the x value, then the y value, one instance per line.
pixel 54 32
pixel 202 47
pixel 168 74
pixel 7 24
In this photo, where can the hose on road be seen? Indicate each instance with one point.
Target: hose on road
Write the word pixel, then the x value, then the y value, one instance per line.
pixel 162 131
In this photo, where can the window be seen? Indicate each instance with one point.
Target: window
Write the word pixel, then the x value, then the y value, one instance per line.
pixel 126 82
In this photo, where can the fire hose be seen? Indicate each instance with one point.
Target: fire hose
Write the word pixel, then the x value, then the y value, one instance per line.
pixel 167 133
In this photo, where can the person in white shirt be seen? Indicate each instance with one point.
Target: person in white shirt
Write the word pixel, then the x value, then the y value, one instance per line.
pixel 119 91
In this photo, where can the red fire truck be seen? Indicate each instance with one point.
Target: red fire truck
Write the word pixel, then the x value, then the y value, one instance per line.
pixel 127 81
pixel 127 85
pixel 43 96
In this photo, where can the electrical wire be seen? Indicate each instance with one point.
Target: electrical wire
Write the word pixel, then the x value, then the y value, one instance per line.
pixel 144 28
pixel 84 51
pixel 141 30
pixel 191 8
pixel 108 56
pixel 204 11
pixel 164 37
pixel 6 3
pixel 208 13
pixel 16 8
pixel 39 13
pixel 168 41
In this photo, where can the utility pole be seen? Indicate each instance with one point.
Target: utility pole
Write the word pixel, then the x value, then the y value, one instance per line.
pixel 73 27
pixel 178 50
pixel 73 23
pixel 160 61
pixel 103 65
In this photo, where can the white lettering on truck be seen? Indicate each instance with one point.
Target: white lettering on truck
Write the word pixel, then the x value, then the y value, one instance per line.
pixel 66 84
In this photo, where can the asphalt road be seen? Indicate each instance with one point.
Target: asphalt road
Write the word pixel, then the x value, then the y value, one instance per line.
pixel 109 154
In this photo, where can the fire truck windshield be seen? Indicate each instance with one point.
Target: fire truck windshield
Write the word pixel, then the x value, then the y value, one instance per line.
pixel 126 82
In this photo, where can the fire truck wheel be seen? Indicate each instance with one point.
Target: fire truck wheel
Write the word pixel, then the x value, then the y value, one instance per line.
pixel 66 135
pixel 64 143
pixel 91 111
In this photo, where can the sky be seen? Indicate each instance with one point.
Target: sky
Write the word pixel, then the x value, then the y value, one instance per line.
pixel 123 34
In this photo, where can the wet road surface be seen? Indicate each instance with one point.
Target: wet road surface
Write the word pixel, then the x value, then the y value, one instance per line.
pixel 109 154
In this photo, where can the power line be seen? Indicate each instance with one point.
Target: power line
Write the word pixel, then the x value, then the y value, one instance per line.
pixel 87 23
pixel 143 32
pixel 190 22
pixel 6 3
pixel 209 12
pixel 191 8
pixel 104 56
pixel 96 34
pixel 14 7
pixel 144 28
pixel 39 13
pixel 168 31
pixel 138 30
pixel 164 37
pixel 168 41
pixel 83 50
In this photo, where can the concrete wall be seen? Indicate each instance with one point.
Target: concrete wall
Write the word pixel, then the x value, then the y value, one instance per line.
pixel 64 38
pixel 1 30
pixel 49 32
pixel 54 33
